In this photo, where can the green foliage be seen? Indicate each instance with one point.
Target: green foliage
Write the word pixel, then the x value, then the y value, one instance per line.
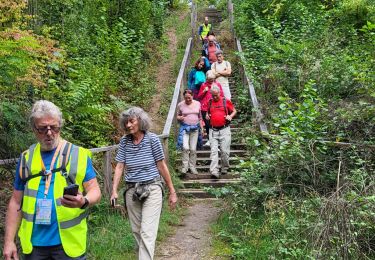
pixel 302 197
pixel 12 125
pixel 95 71
pixel 301 120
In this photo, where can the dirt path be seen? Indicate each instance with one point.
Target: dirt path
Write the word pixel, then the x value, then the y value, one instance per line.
pixel 164 78
pixel 192 240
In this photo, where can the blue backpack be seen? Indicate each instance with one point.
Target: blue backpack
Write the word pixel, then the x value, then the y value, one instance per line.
pixel 199 78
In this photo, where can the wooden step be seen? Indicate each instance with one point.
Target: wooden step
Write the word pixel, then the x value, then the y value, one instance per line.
pixel 206 175
pixel 199 183
pixel 195 193
pixel 234 146
pixel 204 169
pixel 207 161
pixel 207 153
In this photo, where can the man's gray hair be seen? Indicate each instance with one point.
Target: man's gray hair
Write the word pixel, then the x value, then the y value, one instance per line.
pixel 42 108
pixel 218 52
pixel 214 88
pixel 144 120
pixel 210 74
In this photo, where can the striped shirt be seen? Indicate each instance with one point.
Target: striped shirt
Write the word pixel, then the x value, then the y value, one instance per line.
pixel 140 159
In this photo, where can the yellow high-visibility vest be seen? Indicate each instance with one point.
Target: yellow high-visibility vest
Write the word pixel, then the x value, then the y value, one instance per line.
pixel 205 30
pixel 71 221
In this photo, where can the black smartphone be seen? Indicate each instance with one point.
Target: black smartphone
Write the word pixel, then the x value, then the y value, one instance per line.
pixel 114 202
pixel 72 189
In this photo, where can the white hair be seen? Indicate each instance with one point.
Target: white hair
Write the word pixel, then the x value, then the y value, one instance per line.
pixel 42 108
pixel 214 88
pixel 210 74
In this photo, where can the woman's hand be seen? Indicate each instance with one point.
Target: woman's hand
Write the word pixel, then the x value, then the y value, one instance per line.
pixel 172 200
pixel 114 195
pixel 180 118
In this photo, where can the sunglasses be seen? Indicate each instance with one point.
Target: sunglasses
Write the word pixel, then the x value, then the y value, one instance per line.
pixel 45 129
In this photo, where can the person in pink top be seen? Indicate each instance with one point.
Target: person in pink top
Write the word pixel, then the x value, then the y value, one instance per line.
pixel 204 97
pixel 189 116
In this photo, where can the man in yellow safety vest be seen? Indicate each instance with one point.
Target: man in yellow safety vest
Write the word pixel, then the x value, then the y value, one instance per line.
pixel 204 29
pixel 55 183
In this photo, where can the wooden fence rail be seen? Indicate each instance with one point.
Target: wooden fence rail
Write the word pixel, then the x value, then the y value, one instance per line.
pixel 245 79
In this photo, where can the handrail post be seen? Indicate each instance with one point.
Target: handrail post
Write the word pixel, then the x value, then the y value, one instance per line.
pixel 107 169
pixel 166 149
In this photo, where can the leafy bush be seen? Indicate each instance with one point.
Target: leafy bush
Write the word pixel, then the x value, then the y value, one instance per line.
pixel 303 196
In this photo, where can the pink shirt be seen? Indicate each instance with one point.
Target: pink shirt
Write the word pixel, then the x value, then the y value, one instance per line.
pixel 204 97
pixel 190 112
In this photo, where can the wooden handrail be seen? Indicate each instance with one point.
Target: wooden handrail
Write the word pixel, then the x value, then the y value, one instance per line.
pixel 245 76
pixel 177 89
pixel 252 94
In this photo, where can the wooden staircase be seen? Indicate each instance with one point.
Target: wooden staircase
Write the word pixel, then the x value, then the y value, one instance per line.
pixel 195 186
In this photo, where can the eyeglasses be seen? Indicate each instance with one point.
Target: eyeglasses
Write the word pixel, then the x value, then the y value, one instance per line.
pixel 45 129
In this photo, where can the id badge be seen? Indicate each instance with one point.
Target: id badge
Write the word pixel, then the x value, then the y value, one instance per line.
pixel 43 211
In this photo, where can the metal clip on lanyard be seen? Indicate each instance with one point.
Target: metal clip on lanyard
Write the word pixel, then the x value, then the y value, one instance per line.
pixel 48 173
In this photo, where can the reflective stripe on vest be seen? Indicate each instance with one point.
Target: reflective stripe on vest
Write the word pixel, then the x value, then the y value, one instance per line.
pixel 205 29
pixel 30 192
pixel 71 221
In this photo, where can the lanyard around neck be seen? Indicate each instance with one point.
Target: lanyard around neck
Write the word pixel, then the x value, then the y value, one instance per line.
pixel 48 173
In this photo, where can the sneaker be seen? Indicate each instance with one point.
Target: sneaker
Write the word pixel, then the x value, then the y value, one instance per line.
pixel 207 143
pixel 193 170
pixel 224 171
pixel 183 171
pixel 215 175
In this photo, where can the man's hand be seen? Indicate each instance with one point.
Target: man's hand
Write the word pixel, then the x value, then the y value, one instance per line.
pixel 228 118
pixel 205 89
pixel 207 116
pixel 71 201
pixel 10 251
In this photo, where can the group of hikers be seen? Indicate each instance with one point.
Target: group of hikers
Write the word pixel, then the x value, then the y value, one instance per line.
pixel 207 109
pixel 55 181
pixel 55 184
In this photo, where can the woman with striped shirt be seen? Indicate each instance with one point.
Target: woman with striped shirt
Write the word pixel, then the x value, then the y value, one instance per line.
pixel 141 155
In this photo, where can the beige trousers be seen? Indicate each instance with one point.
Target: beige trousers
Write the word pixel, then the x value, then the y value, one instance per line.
pixel 144 220
pixel 222 139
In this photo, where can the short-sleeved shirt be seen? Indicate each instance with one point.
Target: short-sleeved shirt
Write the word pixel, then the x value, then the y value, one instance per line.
pixel 190 112
pixel 204 97
pixel 220 67
pixel 140 159
pixel 48 235
pixel 217 118
pixel 211 53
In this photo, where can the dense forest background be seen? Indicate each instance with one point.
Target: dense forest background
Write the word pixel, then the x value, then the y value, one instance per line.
pixel 309 186
pixel 304 195
pixel 89 57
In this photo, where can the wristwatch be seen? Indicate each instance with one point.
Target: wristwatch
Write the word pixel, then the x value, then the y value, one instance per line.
pixel 86 203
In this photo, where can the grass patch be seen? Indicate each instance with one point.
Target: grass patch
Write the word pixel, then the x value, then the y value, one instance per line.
pixel 252 240
pixel 110 235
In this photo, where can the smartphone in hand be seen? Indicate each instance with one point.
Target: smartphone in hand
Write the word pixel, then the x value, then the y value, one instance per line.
pixel 113 202
pixel 72 189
